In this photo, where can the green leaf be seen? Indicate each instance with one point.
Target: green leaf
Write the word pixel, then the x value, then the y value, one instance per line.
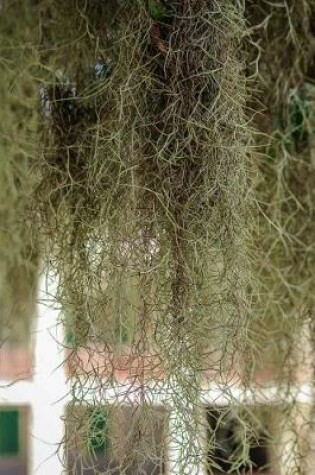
pixel 157 10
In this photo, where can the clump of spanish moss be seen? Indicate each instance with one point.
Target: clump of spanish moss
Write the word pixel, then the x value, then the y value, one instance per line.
pixel 281 67
pixel 138 192
pixel 144 196
pixel 18 250
pixel 143 180
pixel 280 333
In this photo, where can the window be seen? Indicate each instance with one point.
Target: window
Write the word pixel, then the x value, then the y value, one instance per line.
pixel 236 445
pixel 124 439
pixel 13 440
pixel 9 432
pixel 98 437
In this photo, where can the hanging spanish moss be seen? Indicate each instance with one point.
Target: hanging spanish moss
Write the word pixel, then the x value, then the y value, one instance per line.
pixel 18 251
pixel 143 191
pixel 172 191
pixel 281 67
pixel 143 151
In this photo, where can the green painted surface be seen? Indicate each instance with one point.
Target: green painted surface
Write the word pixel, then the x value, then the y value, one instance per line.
pixel 9 433
pixel 98 430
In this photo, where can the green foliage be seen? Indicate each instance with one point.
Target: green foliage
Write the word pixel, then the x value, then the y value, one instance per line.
pixel 301 115
pixel 157 9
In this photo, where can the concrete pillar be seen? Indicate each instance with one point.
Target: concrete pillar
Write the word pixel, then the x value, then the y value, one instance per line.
pixel 50 392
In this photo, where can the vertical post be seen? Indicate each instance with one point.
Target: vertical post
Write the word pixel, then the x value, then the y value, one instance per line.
pixel 50 388
pixel 186 452
pixel 294 441
pixel 184 459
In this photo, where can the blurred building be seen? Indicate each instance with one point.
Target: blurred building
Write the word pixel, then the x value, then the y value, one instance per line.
pixel 15 420
pixel 127 435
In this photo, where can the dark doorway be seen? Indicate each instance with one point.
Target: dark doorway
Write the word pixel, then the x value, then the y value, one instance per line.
pixel 226 453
